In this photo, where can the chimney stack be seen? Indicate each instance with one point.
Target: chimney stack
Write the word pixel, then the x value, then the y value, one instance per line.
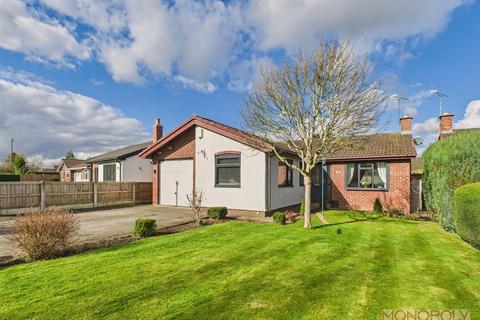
pixel 406 124
pixel 446 123
pixel 157 130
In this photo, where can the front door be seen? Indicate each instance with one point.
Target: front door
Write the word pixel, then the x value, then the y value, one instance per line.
pixel 317 184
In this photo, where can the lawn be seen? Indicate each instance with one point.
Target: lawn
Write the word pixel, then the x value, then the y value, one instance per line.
pixel 242 270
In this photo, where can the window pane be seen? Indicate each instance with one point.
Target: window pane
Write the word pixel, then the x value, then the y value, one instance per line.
pixel 316 176
pixel 352 175
pixel 380 177
pixel 109 172
pixel 366 178
pixel 282 175
pixel 228 161
pixel 228 176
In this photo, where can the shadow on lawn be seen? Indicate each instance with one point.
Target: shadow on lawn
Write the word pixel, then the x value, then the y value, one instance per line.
pixel 355 216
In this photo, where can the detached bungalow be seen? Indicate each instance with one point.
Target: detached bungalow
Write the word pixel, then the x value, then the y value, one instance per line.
pixel 73 170
pixel 121 165
pixel 236 172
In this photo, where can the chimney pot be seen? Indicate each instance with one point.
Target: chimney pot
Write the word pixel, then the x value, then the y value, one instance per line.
pixel 406 124
pixel 157 130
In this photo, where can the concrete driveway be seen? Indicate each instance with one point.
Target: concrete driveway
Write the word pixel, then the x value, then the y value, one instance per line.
pixel 104 224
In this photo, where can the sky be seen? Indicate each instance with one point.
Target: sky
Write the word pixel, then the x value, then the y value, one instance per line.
pixel 92 76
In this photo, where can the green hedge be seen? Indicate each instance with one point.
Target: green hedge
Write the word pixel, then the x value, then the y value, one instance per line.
pixel 217 212
pixel 449 164
pixel 466 214
pixel 9 177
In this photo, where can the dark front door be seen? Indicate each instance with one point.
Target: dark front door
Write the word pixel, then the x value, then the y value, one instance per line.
pixel 317 185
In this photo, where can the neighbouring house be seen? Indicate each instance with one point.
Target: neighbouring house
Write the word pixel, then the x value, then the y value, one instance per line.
pixel 73 170
pixel 235 171
pixel 121 165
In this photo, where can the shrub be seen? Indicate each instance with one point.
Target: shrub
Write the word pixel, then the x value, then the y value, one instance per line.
pixel 302 207
pixel 377 206
pixel 279 217
pixel 466 214
pixel 448 164
pixel 217 212
pixel 9 177
pixel 43 235
pixel 144 227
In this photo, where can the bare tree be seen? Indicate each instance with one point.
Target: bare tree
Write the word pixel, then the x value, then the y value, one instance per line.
pixel 195 202
pixel 313 106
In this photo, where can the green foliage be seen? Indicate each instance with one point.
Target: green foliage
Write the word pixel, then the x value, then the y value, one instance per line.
pixel 69 155
pixel 449 164
pixel 302 207
pixel 466 214
pixel 279 217
pixel 144 227
pixel 217 212
pixel 9 177
pixel 377 206
pixel 54 178
pixel 19 163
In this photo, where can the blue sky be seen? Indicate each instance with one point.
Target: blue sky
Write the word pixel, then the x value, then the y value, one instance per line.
pixel 92 75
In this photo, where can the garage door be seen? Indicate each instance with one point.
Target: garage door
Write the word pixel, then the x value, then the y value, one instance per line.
pixel 176 181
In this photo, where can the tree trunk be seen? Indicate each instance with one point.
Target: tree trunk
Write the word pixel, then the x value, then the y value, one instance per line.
pixel 307 222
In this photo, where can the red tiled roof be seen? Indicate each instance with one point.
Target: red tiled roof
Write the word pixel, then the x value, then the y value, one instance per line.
pixel 387 145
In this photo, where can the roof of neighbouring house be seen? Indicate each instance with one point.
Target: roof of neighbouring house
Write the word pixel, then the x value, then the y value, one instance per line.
pixel 417 166
pixel 384 145
pixel 120 154
pixel 71 164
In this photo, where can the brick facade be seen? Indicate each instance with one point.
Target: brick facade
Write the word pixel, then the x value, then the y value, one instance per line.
pixel 397 196
pixel 65 174
pixel 181 148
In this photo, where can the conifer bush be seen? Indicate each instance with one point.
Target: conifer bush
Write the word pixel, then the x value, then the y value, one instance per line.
pixel 466 214
pixel 449 164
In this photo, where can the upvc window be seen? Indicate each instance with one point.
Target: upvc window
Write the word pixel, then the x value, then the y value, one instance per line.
pixel 227 170
pixel 285 175
pixel 367 175
pixel 109 172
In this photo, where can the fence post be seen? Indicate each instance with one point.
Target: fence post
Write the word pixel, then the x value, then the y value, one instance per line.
pixel 133 192
pixel 95 194
pixel 42 196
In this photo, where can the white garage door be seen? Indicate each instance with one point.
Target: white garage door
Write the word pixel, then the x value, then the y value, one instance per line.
pixel 176 181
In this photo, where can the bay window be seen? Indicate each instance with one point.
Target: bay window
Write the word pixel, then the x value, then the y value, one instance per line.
pixel 367 175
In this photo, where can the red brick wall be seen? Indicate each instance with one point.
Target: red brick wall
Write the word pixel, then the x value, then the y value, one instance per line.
pixel 446 122
pixel 181 148
pixel 397 196
pixel 66 175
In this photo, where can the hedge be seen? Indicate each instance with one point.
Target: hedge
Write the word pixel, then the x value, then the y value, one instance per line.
pixel 466 214
pixel 9 177
pixel 217 212
pixel 144 227
pixel 449 164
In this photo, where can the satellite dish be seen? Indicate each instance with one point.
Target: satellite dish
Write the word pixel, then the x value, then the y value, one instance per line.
pixel 418 141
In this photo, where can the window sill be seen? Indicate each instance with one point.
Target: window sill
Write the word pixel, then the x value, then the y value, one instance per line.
pixel 367 189
pixel 227 186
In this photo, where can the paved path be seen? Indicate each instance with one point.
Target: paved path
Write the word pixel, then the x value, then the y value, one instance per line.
pixel 108 223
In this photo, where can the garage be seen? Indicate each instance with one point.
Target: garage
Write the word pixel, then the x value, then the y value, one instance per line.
pixel 176 181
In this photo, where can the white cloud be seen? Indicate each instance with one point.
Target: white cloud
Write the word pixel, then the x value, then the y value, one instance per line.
pixel 471 118
pixel 210 41
pixel 294 24
pixel 46 121
pixel 207 87
pixel 40 38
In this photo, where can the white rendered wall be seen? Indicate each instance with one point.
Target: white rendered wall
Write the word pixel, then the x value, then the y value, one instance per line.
pixel 284 196
pixel 137 169
pixel 251 194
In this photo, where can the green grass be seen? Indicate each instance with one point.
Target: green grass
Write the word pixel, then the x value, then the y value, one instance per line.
pixel 241 270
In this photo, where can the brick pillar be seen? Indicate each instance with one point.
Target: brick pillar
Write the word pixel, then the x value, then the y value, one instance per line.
pixel 155 187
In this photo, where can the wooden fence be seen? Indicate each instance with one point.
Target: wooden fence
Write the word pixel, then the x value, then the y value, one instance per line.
pixel 16 197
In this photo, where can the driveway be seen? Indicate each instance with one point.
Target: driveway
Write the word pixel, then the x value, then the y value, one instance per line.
pixel 106 224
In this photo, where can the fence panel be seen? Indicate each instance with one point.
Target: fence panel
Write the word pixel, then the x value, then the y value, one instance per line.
pixel 114 192
pixel 68 193
pixel 143 192
pixel 15 195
